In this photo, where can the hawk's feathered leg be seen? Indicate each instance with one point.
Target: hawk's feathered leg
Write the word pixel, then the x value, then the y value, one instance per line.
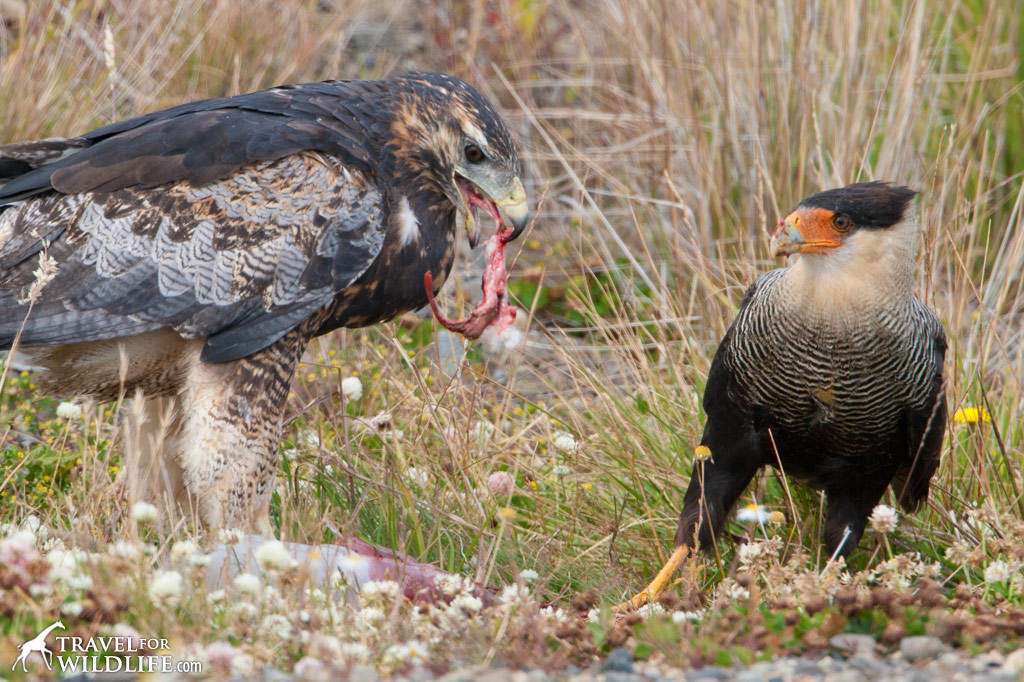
pixel 231 427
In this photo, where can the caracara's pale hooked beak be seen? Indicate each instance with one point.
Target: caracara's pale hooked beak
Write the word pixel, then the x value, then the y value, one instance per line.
pixel 807 230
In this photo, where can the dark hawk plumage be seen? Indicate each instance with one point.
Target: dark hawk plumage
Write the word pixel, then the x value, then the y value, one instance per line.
pixel 203 245
pixel 833 370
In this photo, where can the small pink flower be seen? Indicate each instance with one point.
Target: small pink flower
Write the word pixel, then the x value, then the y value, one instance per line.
pixel 501 483
pixel 221 655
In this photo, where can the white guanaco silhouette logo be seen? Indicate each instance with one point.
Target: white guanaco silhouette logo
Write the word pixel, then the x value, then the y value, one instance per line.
pixel 37 643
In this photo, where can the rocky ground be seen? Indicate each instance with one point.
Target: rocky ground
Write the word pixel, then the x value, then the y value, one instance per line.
pixel 852 658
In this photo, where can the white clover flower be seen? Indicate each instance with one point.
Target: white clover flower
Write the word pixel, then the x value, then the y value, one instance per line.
pixel 242 666
pixel 370 615
pixel 528 575
pixel 679 617
pixel 68 410
pixel 182 551
pixel 72 609
pixel 308 667
pixel 144 513
pixel 380 589
pixel 555 615
pixel 650 609
pixel 33 524
pixel 272 596
pixel 565 442
pixel 515 593
pixel 230 536
pixel 447 584
pixel 416 477
pixel 594 615
pixel 501 483
pixel 997 571
pixel 243 610
pixel 276 626
pixel 560 470
pixel 19 548
pixel 355 652
pixel 220 655
pixel 273 556
pixel 215 597
pixel 752 513
pixel 483 430
pixel 246 583
pixel 78 582
pixel 883 519
pixel 352 388
pixel 737 593
pixel 125 550
pixel 165 588
pixel 200 560
pixel 40 590
pixel 413 651
pixel 467 602
pixel 750 553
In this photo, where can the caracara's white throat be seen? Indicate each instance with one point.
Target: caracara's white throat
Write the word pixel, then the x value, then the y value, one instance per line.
pixel 408 223
pixel 870 268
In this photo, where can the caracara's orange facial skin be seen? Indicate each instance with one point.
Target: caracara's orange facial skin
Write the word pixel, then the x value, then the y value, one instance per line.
pixel 807 230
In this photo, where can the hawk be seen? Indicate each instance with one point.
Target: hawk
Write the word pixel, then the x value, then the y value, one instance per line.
pixel 832 371
pixel 191 254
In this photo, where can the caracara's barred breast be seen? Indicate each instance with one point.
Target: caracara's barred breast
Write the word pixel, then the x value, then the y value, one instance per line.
pixel 839 383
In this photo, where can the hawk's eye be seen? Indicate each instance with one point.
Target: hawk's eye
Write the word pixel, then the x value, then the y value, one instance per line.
pixel 474 154
pixel 842 223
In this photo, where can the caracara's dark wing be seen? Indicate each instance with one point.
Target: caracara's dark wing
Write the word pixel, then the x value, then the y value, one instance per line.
pixel 232 219
pixel 925 424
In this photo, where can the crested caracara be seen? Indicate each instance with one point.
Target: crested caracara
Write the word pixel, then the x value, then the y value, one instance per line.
pixel 831 372
pixel 190 254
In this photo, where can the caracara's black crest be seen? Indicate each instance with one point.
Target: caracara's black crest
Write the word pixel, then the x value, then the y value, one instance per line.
pixel 868 204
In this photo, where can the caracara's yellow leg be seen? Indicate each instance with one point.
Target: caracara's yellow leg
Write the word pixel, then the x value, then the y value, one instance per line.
pixel 652 591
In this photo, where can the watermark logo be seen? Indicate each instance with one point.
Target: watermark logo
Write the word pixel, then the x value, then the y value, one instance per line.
pixel 116 654
pixel 37 643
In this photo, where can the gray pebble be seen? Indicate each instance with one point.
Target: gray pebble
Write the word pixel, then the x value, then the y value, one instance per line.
pixel 869 666
pixel 852 644
pixel 710 673
pixel 807 669
pixel 1014 662
pixel 848 675
pixel 921 647
pixel 619 660
pixel 613 676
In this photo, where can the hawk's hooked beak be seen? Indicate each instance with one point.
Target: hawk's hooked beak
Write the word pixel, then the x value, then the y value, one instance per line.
pixel 806 230
pixel 479 193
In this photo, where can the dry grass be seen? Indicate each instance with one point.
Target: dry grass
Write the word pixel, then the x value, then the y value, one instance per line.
pixel 666 139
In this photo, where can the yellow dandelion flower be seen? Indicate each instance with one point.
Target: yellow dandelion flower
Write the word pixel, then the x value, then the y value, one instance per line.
pixel 588 486
pixel 702 453
pixel 533 484
pixel 507 513
pixel 971 415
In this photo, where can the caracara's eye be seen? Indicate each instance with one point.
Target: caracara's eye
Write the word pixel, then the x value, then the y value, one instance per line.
pixel 473 153
pixel 842 223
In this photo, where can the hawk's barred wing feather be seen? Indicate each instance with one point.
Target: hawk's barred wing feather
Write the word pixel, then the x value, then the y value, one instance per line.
pixel 252 256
